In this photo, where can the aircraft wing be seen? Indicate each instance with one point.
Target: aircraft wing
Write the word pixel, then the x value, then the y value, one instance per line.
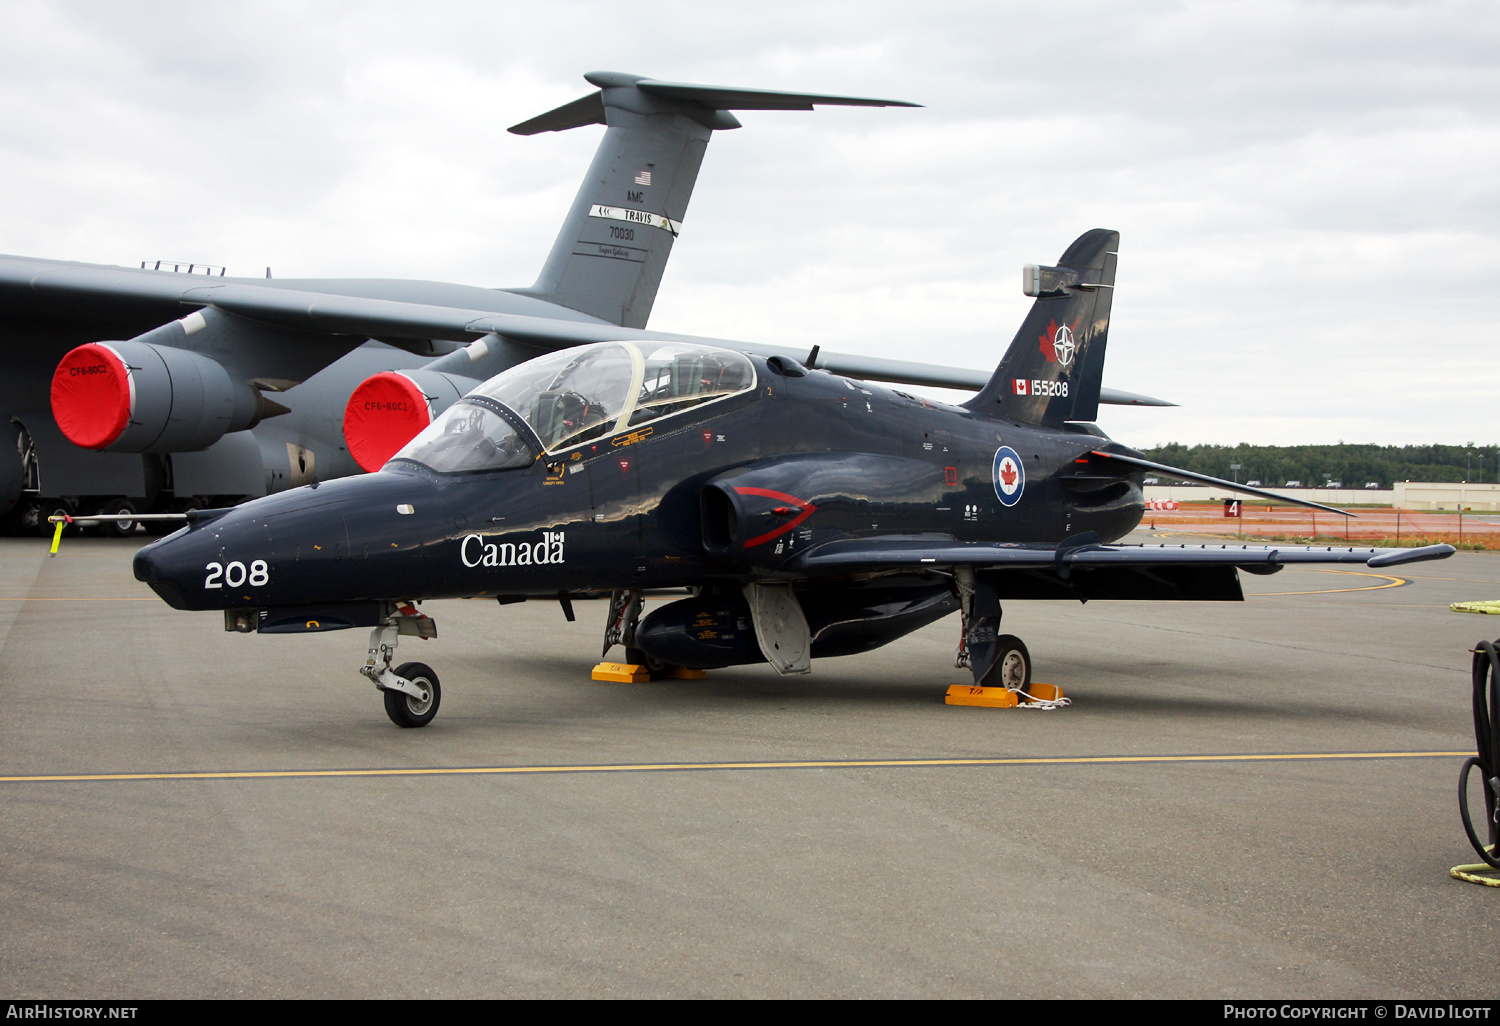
pixel 1082 569
pixel 888 554
pixel 115 294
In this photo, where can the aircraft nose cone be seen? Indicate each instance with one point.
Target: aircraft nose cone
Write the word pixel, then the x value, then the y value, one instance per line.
pixel 354 539
pixel 169 565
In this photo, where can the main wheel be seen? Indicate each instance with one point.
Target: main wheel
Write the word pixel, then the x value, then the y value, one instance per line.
pixel 118 528
pixel 54 508
pixel 406 711
pixel 23 518
pixel 1012 667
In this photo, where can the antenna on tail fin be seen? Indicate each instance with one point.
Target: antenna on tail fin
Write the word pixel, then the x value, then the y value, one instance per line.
pixel 610 255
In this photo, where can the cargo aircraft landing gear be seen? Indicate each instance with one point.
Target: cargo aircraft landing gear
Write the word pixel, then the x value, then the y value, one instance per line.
pixel 411 690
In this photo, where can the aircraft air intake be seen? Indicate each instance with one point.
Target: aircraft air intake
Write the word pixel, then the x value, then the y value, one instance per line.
pixel 762 514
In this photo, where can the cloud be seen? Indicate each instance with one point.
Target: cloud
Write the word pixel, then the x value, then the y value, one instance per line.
pixel 1305 191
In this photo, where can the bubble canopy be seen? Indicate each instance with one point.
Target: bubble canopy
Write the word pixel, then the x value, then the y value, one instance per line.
pixel 573 396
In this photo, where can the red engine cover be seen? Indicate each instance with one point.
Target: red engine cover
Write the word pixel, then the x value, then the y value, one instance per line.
pixel 92 396
pixel 385 412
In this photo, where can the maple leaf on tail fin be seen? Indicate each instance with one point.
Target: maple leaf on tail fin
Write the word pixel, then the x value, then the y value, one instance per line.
pixel 1046 340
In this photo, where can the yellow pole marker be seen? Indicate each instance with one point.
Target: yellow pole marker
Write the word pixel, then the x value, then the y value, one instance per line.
pixel 1480 606
pixel 56 536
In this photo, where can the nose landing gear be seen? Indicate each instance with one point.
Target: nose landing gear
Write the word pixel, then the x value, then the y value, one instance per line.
pixel 406 710
pixel 411 690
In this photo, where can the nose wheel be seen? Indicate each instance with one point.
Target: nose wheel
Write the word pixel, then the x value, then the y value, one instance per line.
pixel 407 710
pixel 411 690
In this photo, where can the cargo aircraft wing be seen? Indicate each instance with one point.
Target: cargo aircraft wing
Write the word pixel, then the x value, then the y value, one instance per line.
pixel 97 292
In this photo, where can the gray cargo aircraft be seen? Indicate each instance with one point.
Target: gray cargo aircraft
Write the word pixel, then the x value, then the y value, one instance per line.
pixel 225 388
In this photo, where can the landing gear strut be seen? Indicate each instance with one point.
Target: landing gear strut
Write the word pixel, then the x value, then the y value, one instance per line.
pixel 411 690
pixel 997 660
pixel 619 624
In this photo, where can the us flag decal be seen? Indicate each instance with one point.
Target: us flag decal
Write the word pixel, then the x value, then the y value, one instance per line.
pixel 643 178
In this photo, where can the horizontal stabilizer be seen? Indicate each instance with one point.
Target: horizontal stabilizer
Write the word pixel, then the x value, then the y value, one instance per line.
pixel 1116 397
pixel 735 98
pixel 1234 486
pixel 589 110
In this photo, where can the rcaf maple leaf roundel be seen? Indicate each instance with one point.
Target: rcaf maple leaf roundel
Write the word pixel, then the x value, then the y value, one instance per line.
pixel 1010 475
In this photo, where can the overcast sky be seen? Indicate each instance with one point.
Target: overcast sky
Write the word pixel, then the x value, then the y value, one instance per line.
pixel 1306 192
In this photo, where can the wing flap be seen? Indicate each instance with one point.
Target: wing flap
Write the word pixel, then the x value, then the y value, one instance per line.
pixel 916 554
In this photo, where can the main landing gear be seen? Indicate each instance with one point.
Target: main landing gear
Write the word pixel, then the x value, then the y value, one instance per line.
pixel 997 660
pixel 1000 663
pixel 411 690
pixel 620 623
pixel 619 629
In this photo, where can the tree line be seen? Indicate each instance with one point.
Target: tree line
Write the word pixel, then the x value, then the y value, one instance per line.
pixel 1353 465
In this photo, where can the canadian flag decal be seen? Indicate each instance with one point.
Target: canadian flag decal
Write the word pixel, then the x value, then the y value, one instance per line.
pixel 1021 388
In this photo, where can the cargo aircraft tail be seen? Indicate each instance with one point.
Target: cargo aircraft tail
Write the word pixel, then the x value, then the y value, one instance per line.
pixel 609 257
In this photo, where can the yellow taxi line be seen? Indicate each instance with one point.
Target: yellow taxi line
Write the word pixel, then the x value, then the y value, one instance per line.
pixel 656 767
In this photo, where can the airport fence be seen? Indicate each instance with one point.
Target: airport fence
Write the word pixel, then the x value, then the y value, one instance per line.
pixel 1390 526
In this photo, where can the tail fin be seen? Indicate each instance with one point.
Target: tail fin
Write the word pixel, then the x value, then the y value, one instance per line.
pixel 1052 371
pixel 609 258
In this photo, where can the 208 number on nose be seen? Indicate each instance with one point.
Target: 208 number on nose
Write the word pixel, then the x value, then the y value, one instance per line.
pixel 235 574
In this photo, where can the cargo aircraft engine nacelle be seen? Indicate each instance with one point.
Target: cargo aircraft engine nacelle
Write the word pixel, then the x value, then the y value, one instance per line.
pixel 138 397
pixel 389 409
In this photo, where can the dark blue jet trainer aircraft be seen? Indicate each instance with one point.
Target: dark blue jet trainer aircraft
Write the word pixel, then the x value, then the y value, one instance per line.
pixel 810 514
